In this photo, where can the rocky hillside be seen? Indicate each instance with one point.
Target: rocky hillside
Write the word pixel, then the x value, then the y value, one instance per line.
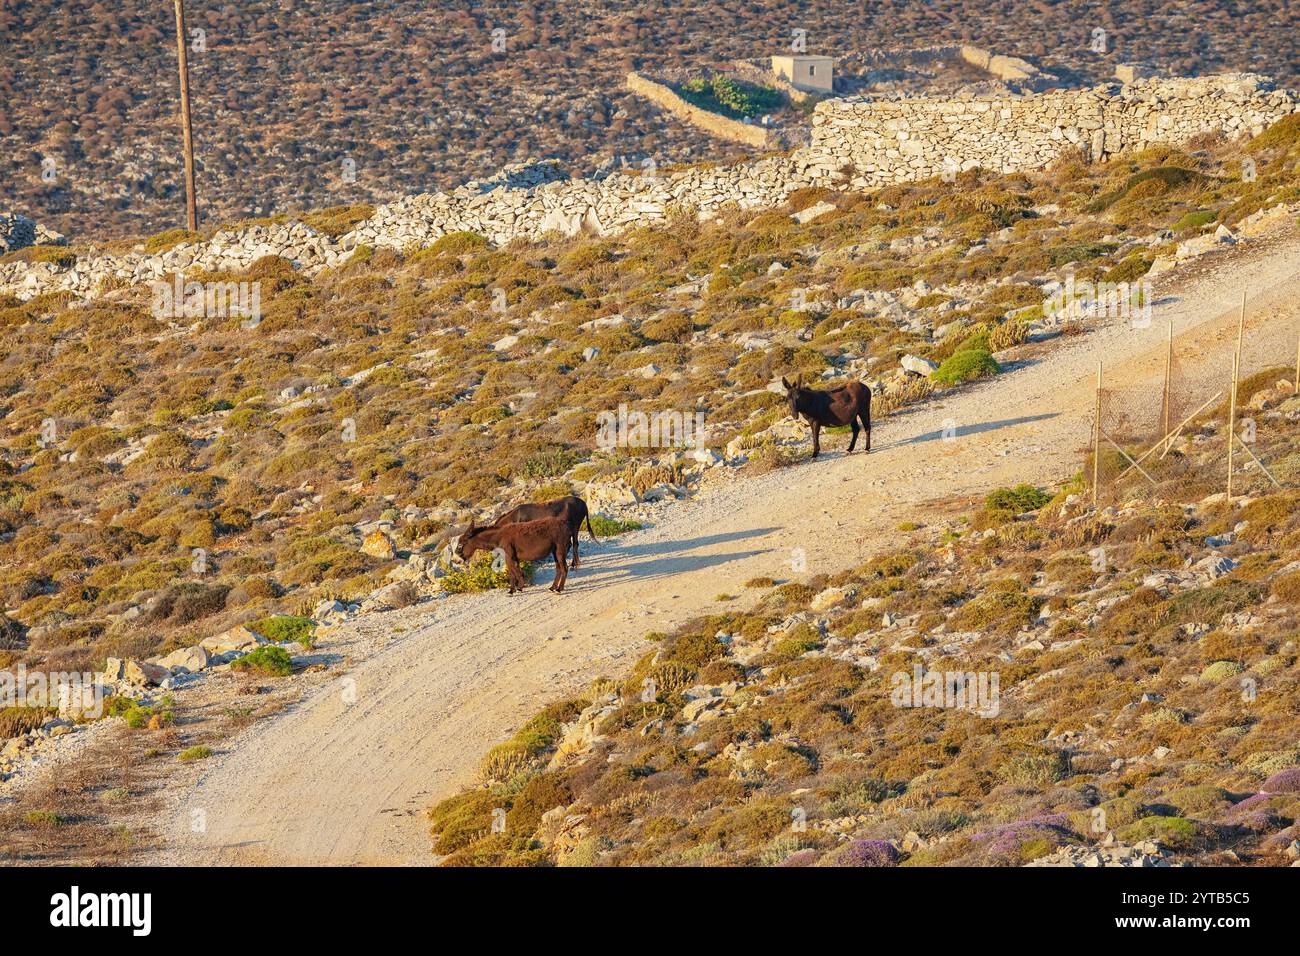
pixel 284 98
pixel 164 478
pixel 1034 683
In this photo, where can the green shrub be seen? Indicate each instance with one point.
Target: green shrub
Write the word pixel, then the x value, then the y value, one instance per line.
pixel 1195 220
pixel 460 820
pixel 549 463
pixel 269 660
pixel 1064 255
pixel 44 818
pixel 965 366
pixel 338 220
pixel 195 753
pixel 480 575
pixel 530 742
pixel 58 255
pixel 458 243
pixel 1131 269
pixel 1200 800
pixel 138 715
pixel 1018 500
pixel 1285 133
pixel 605 527
pixel 1036 769
pixel 673 327
pixel 1001 610
pixel 170 239
pixel 730 97
pixel 283 628
pixel 1174 833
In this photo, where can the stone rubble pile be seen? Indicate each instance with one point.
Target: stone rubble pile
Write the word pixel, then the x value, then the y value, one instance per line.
pixel 16 232
pixel 1144 855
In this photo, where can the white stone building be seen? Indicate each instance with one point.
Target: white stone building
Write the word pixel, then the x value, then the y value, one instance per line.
pixel 812 74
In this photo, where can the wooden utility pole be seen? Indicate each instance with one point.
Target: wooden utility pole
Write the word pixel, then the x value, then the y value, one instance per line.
pixel 1241 331
pixel 1169 371
pixel 1096 442
pixel 1232 419
pixel 187 133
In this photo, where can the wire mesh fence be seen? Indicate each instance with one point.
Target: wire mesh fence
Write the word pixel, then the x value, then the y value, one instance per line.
pixel 1213 421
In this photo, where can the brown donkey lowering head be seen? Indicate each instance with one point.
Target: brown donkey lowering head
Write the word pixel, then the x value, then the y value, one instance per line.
pixel 524 541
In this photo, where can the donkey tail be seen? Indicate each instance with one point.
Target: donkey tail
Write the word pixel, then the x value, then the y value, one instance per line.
pixel 587 518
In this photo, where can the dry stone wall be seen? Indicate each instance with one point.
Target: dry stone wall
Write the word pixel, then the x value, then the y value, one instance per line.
pixel 893 141
pixel 1009 69
pixel 663 97
pixel 884 141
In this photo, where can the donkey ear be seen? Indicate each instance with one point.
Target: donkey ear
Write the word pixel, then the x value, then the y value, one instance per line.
pixel 471 525
pixel 787 385
pixel 798 380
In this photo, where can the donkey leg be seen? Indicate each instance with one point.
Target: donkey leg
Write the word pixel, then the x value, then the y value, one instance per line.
pixel 513 571
pixel 561 572
pixel 853 423
pixel 817 439
pixel 575 549
pixel 866 422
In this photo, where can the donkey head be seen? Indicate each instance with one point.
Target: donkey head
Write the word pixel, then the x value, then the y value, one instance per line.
pixel 792 393
pixel 465 543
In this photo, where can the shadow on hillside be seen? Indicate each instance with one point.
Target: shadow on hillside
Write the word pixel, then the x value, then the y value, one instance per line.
pixel 975 429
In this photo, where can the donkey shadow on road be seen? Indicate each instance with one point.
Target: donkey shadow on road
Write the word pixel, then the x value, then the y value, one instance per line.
pixel 957 430
pixel 646 560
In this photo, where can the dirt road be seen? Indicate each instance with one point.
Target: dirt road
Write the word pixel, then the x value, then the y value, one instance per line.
pixel 338 782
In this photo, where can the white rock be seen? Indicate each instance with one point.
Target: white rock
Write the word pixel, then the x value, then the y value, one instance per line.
pixel 917 365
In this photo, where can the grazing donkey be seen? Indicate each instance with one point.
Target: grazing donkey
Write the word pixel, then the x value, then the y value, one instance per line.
pixel 571 508
pixel 840 406
pixel 522 541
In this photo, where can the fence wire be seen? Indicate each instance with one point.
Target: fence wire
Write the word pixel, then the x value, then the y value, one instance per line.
pixel 1168 438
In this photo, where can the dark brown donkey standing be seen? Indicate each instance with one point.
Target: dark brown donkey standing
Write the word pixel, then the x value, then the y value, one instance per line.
pixel 524 541
pixel 839 406
pixel 571 508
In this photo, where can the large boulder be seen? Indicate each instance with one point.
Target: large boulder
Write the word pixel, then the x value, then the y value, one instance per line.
pixel 398 594
pixel 236 639
pixel 827 599
pixel 144 674
pixel 812 212
pixel 379 545
pixel 186 660
pixel 602 495
pixel 917 365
